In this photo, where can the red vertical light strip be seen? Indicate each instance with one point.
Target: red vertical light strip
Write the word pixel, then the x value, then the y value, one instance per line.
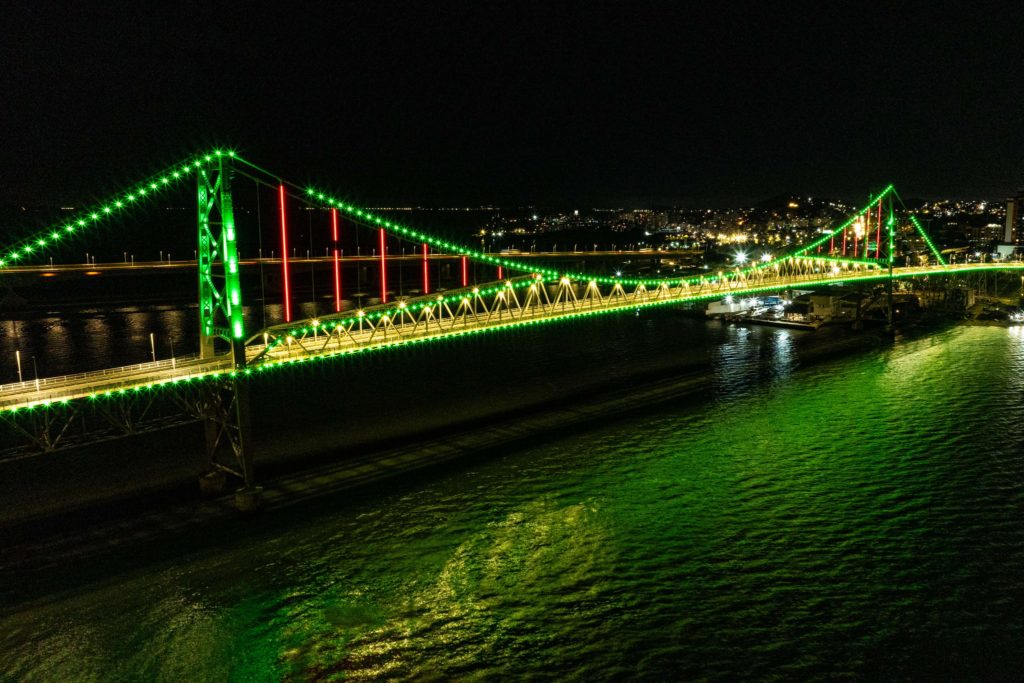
pixel 465 272
pixel 426 271
pixel 337 262
pixel 844 242
pixel 832 246
pixel 383 269
pixel 878 237
pixel 284 257
pixel 501 272
pixel 867 231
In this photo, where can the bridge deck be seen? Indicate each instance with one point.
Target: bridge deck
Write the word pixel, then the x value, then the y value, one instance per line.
pixel 406 328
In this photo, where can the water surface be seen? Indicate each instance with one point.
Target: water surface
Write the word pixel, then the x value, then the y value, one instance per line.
pixel 859 518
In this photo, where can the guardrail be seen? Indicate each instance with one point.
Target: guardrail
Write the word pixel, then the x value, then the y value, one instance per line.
pixel 152 366
pixel 28 394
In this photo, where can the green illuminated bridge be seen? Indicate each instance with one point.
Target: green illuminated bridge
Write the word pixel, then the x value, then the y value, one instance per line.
pixel 213 385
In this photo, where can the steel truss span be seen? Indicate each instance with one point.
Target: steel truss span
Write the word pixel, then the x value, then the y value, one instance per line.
pixel 501 305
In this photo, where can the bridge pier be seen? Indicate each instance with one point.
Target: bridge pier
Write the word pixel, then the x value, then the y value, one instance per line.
pixel 229 454
pixel 249 497
pixel 224 404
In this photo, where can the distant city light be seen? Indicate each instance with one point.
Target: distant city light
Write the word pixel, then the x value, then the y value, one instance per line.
pixel 858 227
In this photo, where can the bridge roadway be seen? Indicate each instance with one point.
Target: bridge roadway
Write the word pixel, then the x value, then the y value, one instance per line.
pixel 117 266
pixel 431 321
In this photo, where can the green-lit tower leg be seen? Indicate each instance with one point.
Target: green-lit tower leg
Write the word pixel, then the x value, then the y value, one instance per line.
pixel 220 292
pixel 220 318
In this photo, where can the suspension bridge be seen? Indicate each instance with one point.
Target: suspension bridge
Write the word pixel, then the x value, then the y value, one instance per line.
pixel 214 385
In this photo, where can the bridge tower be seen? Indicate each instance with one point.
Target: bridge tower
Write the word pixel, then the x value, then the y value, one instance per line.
pixel 224 404
pixel 220 293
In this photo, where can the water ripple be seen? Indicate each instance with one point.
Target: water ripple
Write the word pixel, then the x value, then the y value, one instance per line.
pixel 864 518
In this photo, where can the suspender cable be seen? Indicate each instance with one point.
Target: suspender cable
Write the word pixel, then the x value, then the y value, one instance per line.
pixel 359 267
pixel 383 269
pixel 878 237
pixel 426 271
pixel 855 238
pixel 867 231
pixel 284 257
pixel 312 263
pixel 337 262
pixel 259 233
pixel 465 272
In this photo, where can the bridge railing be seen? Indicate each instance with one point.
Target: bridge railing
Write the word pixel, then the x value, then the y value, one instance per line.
pixel 28 394
pixel 99 375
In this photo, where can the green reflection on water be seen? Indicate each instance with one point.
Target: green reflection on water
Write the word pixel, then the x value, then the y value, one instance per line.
pixel 860 517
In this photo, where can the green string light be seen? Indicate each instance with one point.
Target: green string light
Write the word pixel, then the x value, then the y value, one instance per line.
pixel 55 235
pixel 927 240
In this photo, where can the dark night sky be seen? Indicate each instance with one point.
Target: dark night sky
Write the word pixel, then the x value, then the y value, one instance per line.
pixel 591 103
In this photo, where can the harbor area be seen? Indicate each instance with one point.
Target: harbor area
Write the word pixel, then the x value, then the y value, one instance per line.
pixel 841 305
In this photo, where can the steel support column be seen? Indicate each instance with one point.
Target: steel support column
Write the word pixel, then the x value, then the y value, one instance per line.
pixel 224 407
pixel 220 292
